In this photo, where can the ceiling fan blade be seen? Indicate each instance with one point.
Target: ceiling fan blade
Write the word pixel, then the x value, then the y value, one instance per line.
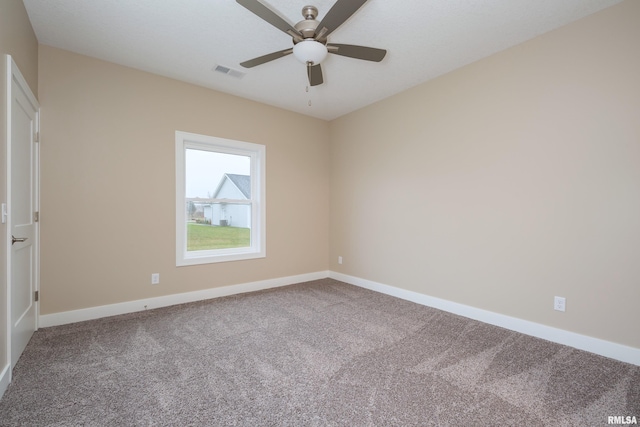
pixel 266 58
pixel 358 52
pixel 340 12
pixel 314 72
pixel 270 16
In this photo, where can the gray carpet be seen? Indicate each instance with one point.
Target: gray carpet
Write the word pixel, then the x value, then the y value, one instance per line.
pixel 320 353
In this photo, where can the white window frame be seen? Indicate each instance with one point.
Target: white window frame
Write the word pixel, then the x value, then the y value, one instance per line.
pixel 257 154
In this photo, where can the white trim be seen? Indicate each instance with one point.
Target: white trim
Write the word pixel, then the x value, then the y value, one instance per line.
pixel 36 208
pixel 63 318
pixel 9 76
pixel 5 379
pixel 13 74
pixel 257 153
pixel 582 342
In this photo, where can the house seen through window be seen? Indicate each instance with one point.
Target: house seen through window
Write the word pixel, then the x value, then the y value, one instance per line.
pixel 220 187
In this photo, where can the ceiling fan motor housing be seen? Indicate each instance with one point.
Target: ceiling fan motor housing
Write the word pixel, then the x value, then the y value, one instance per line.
pixel 307 28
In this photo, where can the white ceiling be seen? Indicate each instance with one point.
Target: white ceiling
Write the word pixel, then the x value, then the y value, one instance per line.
pixel 187 39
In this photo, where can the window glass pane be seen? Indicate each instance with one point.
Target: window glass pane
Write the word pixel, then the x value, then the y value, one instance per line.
pixel 210 222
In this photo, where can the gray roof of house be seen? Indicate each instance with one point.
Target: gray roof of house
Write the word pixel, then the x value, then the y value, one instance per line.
pixel 243 182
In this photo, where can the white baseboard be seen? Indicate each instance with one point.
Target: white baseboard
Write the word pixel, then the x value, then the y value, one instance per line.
pixel 582 342
pixel 5 379
pixel 91 313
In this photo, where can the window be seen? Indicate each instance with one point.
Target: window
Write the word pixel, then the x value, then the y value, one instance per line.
pixel 220 206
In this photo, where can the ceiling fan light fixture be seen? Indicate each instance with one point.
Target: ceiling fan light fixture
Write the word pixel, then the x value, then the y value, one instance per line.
pixel 310 51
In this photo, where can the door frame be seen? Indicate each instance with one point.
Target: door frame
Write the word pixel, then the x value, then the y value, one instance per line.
pixel 13 74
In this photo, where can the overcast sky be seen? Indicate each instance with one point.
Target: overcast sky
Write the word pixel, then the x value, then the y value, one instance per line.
pixel 204 170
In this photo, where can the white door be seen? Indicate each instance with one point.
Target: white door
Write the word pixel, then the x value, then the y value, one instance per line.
pixel 23 200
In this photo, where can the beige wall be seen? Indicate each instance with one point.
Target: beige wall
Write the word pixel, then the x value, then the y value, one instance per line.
pixel 506 182
pixel 108 183
pixel 18 40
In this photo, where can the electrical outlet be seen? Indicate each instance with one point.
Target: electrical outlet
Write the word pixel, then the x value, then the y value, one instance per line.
pixel 339 260
pixel 155 278
pixel 559 303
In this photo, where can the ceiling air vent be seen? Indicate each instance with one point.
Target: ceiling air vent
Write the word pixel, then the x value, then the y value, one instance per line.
pixel 229 71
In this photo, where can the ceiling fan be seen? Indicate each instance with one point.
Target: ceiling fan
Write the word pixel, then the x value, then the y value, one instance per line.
pixel 310 44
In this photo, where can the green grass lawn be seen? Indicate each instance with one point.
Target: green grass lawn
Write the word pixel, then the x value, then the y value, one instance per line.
pixel 202 237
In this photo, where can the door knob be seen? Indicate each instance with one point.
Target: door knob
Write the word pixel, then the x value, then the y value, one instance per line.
pixel 17 239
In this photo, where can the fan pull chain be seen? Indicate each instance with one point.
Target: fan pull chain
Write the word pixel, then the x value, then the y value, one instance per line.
pixel 309 64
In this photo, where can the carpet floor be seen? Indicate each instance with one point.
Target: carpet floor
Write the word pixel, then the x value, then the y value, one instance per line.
pixel 320 353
